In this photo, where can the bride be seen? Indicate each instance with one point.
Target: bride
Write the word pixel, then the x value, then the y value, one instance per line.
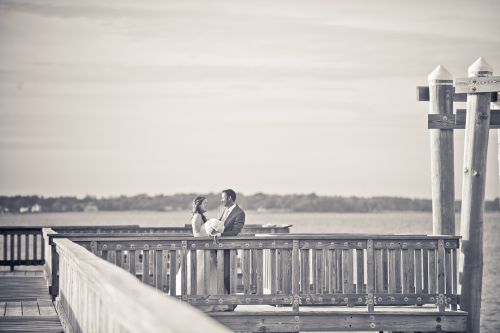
pixel 203 286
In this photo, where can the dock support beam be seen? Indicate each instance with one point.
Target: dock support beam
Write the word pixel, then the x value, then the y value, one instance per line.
pixel 442 173
pixel 473 192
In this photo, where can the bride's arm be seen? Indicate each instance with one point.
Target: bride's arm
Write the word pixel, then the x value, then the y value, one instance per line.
pixel 197 224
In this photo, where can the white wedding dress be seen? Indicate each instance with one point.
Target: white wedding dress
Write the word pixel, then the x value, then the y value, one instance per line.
pixel 203 286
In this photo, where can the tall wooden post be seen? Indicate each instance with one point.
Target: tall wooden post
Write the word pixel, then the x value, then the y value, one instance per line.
pixel 473 191
pixel 442 173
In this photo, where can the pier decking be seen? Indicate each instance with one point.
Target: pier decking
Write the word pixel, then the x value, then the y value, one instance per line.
pixel 25 303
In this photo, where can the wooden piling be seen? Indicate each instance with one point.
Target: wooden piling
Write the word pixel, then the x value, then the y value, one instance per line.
pixel 473 191
pixel 442 174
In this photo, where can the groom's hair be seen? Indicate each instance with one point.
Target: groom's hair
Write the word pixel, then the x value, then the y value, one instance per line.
pixel 230 193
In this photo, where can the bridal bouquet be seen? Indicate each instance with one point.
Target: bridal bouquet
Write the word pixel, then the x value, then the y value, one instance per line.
pixel 214 227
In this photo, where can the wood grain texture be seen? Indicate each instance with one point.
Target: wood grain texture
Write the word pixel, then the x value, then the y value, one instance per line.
pixel 423 95
pixel 473 191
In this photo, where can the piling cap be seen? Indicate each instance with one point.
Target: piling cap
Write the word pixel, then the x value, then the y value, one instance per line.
pixel 440 73
pixel 480 66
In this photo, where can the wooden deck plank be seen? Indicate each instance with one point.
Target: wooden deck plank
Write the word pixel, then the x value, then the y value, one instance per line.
pixel 13 308
pixel 49 324
pixel 30 308
pixel 46 308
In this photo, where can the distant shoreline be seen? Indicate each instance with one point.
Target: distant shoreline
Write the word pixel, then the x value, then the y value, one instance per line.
pixel 260 202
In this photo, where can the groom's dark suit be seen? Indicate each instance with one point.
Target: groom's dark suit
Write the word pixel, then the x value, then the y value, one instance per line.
pixel 232 226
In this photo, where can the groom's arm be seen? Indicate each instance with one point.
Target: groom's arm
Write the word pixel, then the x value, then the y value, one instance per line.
pixel 237 225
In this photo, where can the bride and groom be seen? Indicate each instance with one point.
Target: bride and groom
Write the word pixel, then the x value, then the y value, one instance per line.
pixel 229 222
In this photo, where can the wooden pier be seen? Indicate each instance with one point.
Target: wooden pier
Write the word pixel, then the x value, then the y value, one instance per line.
pixel 131 279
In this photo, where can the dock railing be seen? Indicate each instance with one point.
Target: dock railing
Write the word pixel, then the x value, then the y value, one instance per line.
pixel 96 296
pixel 129 230
pixel 295 270
pixel 21 246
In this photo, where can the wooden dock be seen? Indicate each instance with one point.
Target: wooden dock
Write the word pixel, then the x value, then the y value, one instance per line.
pixel 141 280
pixel 25 302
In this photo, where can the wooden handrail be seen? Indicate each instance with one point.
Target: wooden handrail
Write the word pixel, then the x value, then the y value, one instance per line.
pixel 95 294
pixel 307 269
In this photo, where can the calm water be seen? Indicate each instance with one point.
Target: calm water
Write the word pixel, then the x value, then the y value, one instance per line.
pixel 403 223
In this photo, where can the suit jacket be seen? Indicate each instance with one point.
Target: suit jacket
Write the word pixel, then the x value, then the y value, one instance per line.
pixel 234 222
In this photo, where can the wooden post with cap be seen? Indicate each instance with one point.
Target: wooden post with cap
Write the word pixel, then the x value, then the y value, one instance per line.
pixel 442 173
pixel 473 192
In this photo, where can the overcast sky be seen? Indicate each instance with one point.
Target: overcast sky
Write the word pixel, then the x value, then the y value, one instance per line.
pixel 123 97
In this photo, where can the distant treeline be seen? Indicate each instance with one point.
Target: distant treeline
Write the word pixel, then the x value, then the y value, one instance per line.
pixel 259 201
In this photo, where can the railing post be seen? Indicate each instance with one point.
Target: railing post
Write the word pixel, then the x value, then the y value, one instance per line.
pixel 370 275
pixel 442 173
pixel 473 191
pixel 54 288
pixel 295 276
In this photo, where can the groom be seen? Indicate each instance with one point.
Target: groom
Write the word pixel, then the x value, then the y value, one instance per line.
pixel 234 219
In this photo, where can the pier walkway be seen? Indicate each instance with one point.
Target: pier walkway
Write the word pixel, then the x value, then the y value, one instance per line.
pixel 25 303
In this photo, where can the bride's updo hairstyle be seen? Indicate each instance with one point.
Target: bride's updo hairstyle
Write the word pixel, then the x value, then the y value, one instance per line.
pixel 197 207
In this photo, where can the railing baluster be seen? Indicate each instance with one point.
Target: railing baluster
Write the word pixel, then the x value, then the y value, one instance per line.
pixel 425 271
pixel 158 269
pixel 360 270
pixel 441 276
pixel 339 271
pixel 245 271
pixel 259 258
pixel 253 269
pixel 119 258
pixel 194 272
pixel 432 272
pixel 12 248
pixel 35 246
pixel 18 240
pixel 370 275
pixel 183 253
pixel 295 275
pixel 27 246
pixel 320 274
pixel 165 271
pixel 454 277
pixel 314 270
pixel 385 269
pixel 418 271
pixel 145 266
pixel 378 271
pixel 332 262
pixel 399 287
pixel 392 272
pixel 233 255
pixel 448 270
pixel 220 272
pixel 287 270
pixel 326 263
pixel 42 245
pixel 131 260
pixel 5 241
pixel 347 271
pixel 173 272
pixel 304 270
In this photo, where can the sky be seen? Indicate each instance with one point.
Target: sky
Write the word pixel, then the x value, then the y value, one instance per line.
pixel 125 97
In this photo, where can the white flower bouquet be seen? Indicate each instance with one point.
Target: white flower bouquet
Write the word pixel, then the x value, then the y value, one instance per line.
pixel 214 227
